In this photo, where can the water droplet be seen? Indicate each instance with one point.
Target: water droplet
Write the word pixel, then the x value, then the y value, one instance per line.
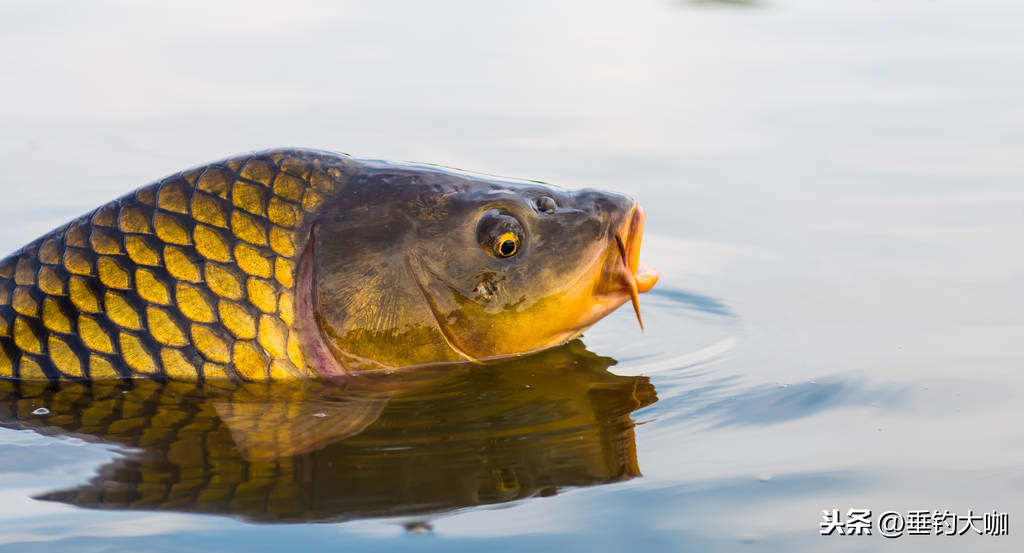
pixel 41 411
pixel 320 415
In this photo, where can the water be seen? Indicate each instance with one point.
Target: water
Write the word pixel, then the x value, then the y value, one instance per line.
pixel 834 203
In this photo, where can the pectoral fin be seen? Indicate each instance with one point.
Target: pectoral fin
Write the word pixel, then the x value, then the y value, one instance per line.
pixel 266 431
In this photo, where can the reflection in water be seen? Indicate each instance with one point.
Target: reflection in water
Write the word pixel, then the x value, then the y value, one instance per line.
pixel 415 442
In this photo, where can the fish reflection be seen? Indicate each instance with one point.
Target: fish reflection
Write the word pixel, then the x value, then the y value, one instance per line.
pixel 415 442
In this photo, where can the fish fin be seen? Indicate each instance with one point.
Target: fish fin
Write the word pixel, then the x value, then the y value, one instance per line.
pixel 266 431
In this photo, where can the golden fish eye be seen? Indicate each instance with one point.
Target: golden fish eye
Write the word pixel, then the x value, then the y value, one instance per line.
pixel 506 245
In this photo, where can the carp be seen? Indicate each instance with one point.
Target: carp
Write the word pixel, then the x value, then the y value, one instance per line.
pixel 294 263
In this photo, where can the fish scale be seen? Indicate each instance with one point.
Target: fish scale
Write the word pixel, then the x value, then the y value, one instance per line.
pixel 190 277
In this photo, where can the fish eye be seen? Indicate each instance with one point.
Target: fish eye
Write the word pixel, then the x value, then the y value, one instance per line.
pixel 545 204
pixel 499 233
pixel 506 245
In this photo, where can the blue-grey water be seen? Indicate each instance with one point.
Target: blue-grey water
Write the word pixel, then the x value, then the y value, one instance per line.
pixel 835 197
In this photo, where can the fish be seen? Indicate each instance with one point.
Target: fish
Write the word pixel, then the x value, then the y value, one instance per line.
pixel 415 443
pixel 292 264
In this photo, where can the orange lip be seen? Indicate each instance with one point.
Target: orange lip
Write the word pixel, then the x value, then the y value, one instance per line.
pixel 645 275
pixel 638 277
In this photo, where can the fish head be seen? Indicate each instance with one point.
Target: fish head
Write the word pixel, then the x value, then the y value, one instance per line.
pixel 421 265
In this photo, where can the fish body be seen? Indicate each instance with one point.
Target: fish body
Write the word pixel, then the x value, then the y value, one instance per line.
pixel 190 277
pixel 291 264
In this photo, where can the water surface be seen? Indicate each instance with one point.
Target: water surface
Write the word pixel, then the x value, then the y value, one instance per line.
pixel 834 203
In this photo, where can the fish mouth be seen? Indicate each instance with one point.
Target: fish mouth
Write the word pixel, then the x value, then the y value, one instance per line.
pixel 637 277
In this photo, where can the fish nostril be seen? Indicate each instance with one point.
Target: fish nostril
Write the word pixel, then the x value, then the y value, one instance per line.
pixel 545 204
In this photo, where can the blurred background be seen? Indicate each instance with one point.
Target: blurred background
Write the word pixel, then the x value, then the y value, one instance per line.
pixel 835 202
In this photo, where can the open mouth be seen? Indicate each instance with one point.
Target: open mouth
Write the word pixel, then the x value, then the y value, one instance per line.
pixel 637 277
